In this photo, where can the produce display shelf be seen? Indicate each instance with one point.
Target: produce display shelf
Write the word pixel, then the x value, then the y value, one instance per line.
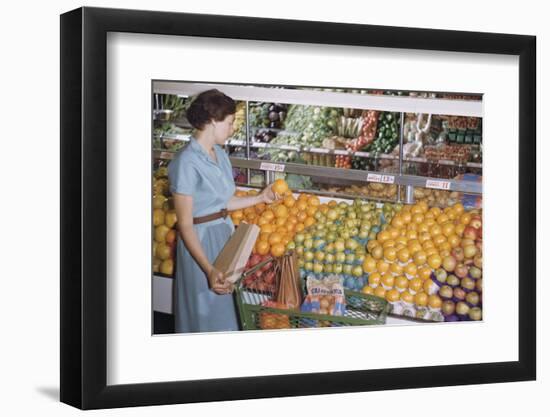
pixel 406 104
pixel 259 145
pixel 359 175
pixel 470 187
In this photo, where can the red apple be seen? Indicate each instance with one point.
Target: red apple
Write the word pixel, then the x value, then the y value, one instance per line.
pixel 468 283
pixel 461 271
pixel 470 233
pixel 458 254
pixel 476 221
pixel 478 261
pixel 459 293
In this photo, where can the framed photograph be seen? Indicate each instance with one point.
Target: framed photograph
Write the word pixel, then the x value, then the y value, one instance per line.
pixel 237 191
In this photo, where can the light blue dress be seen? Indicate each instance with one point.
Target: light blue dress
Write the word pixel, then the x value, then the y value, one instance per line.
pixel 193 172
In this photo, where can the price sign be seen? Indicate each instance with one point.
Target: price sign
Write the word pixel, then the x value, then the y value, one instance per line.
pixel 384 179
pixel 166 155
pixel 268 166
pixel 438 184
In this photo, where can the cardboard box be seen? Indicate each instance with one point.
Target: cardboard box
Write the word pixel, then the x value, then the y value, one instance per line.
pixel 234 255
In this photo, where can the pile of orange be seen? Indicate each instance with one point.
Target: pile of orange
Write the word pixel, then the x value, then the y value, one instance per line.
pixel 279 221
pixel 412 247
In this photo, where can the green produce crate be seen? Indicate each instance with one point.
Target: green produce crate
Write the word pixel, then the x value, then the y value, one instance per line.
pixel 361 309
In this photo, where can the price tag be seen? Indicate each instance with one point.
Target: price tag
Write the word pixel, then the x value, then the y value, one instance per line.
pixel 384 179
pixel 166 155
pixel 268 166
pixel 438 184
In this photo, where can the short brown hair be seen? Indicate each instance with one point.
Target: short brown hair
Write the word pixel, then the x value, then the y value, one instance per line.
pixel 210 105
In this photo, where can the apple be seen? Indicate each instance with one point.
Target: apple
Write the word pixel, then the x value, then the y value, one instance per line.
pixel 453 280
pixel 470 251
pixel 468 283
pixel 330 248
pixel 472 298
pixel 340 257
pixel 448 307
pixel 441 275
pixel 317 267
pixel 309 255
pixel 300 251
pixel 308 243
pixel 476 222
pixel 317 243
pixel 339 245
pixel 458 254
pixel 330 237
pixel 357 271
pixel 328 268
pixel 475 313
pixel 359 257
pixel 347 268
pixel 350 258
pixel 354 231
pixel 479 285
pixel 301 262
pixel 308 266
pixel 449 263
pixel 320 256
pixel 337 268
pixel 446 291
pixel 475 272
pixel 351 244
pixel 470 233
pixel 459 293
pixel 467 242
pixel 255 259
pixel 461 270
pixel 462 308
pixel 330 258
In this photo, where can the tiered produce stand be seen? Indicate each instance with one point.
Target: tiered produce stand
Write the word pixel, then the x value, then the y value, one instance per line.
pixel 384 191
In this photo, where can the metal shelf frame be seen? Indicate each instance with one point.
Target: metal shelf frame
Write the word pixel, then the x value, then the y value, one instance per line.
pixel 401 104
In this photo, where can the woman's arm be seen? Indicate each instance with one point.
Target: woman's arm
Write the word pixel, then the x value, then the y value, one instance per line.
pixel 267 196
pixel 184 213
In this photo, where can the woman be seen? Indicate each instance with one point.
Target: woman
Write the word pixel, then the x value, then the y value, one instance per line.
pixel 202 184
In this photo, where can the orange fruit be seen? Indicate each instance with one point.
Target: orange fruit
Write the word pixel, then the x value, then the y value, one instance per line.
pixel 309 221
pixel 374 279
pixel 240 193
pixel 434 301
pixel 371 244
pixel 278 249
pixel 380 292
pixel 262 247
pixel 421 299
pixel 274 238
pixel 410 269
pixel 465 218
pixel 294 211
pixel 289 201
pixel 424 273
pixel 332 203
pixel 301 205
pixel 302 216
pixel 281 211
pixel 396 269
pixel 265 235
pixel 383 236
pixel 252 192
pixel 382 266
pixel 237 214
pixel 279 186
pixel 311 210
pixel 403 255
pixel 268 214
pixel 436 230
pixel 390 254
pixel 435 211
pixel 459 228
pixel 280 221
pixel 369 264
pixel 392 295
pixel 434 261
pixel 420 258
pixel 299 227
pixel 416 284
pixel 442 218
pixel 314 201
pixel 268 228
pixel 262 221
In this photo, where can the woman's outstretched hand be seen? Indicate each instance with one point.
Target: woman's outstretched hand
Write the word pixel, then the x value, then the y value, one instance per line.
pixel 269 196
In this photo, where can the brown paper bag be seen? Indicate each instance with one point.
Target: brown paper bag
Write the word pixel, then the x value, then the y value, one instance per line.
pixel 232 258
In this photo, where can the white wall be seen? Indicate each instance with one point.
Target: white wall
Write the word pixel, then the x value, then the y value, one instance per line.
pixel 29 164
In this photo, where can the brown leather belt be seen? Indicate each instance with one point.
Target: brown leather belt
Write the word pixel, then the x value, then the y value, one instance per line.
pixel 222 213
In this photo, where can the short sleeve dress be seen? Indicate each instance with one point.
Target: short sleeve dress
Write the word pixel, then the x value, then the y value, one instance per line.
pixel 193 172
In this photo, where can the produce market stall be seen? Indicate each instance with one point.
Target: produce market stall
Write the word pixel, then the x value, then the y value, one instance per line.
pixel 382 192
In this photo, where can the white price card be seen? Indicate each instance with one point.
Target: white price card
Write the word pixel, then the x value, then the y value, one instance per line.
pixel 166 155
pixel 384 179
pixel 268 166
pixel 438 184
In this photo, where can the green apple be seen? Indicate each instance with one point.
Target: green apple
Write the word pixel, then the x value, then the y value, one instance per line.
pixel 299 237
pixel 340 257
pixel 350 258
pixel 351 244
pixel 309 255
pixel 347 269
pixel 328 268
pixel 339 245
pixel 337 268
pixel 330 258
pixel 308 243
pixel 317 267
pixel 308 266
pixel 320 256
pixel 357 271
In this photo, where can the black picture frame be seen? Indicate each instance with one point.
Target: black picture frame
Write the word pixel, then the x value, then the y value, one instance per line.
pixel 84 207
